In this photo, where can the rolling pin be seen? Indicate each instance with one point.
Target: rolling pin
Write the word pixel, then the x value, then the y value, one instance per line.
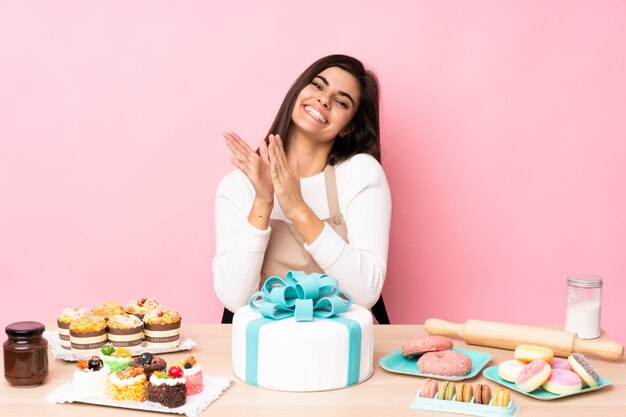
pixel 509 336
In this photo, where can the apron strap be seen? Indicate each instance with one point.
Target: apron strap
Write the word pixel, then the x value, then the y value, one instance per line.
pixel 332 194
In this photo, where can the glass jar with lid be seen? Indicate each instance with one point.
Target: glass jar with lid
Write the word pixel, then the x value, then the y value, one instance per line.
pixel 584 305
pixel 25 354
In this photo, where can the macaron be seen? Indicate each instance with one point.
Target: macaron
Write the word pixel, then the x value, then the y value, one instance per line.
pixel 583 368
pixel 429 389
pixel 562 382
pixel 417 346
pixel 447 391
pixel 482 394
pixel 445 363
pixel 529 353
pixel 534 375
pixel 510 370
pixel 464 392
pixel 501 397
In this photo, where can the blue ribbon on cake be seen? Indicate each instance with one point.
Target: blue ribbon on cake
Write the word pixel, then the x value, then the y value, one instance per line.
pixel 302 297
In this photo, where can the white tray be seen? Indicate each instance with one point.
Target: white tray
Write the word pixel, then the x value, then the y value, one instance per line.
pixel 52 336
pixel 196 404
pixel 469 408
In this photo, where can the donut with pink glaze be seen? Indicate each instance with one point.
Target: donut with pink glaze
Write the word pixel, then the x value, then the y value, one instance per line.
pixel 534 375
pixel 562 382
pixel 420 345
pixel 445 363
pixel 558 363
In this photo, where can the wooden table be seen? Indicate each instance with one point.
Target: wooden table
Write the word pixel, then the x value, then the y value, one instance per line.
pixel 384 394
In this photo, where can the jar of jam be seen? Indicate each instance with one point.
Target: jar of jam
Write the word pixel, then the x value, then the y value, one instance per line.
pixel 25 354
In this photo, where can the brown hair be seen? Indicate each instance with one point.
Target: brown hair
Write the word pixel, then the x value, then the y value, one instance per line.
pixel 365 138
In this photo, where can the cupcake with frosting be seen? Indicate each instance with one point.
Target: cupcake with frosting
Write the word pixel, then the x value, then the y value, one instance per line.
pixel 140 307
pixel 193 374
pixel 162 328
pixel 90 379
pixel 88 334
pixel 150 363
pixel 108 309
pixel 65 318
pixel 116 358
pixel 129 384
pixel 168 388
pixel 125 330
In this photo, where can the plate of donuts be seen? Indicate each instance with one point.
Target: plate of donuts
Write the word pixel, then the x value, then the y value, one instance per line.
pixel 535 372
pixel 540 393
pixel 434 357
pixel 398 363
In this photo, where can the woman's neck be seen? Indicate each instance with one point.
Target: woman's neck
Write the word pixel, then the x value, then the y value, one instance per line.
pixel 312 155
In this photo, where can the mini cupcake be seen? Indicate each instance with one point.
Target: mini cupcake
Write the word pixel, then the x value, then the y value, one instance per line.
pixel 125 330
pixel 128 385
pixel 193 374
pixel 108 309
pixel 116 358
pixel 168 388
pixel 65 318
pixel 162 328
pixel 88 334
pixel 140 307
pixel 90 379
pixel 149 362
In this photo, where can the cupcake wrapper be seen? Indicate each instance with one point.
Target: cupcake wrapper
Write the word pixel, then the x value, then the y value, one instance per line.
pixel 64 334
pixel 125 337
pixel 83 342
pixel 165 335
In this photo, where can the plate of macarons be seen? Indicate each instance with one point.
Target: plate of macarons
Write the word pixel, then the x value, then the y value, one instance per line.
pixel 534 371
pixel 435 357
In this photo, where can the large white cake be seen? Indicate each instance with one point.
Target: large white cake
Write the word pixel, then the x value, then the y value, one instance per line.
pixel 303 355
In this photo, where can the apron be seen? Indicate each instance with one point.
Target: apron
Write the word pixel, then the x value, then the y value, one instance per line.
pixel 285 249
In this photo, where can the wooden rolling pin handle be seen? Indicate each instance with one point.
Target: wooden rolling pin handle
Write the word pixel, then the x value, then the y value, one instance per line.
pixel 606 349
pixel 444 328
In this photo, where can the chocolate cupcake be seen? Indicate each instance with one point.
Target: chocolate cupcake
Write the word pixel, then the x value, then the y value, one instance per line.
pixel 88 334
pixel 168 389
pixel 65 318
pixel 150 363
pixel 162 328
pixel 125 330
pixel 140 307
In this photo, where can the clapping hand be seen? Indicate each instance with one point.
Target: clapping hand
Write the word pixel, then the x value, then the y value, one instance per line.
pixel 285 179
pixel 254 166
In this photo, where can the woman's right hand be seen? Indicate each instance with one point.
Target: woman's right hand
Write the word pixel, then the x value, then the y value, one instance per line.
pixel 254 166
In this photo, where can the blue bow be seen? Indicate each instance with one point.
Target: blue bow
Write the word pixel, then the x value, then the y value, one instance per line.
pixel 301 296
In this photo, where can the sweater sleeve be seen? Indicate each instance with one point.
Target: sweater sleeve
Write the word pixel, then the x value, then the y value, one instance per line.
pixel 360 265
pixel 240 247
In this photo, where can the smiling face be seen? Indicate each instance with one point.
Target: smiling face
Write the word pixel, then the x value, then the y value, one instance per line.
pixel 325 107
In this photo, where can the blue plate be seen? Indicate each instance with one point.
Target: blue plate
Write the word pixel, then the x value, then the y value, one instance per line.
pixel 400 364
pixel 539 393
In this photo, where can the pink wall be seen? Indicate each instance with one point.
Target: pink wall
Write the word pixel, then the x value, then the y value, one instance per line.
pixel 503 140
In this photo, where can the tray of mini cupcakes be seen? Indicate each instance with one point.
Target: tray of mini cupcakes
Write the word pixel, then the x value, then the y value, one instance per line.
pixel 114 378
pixel 144 325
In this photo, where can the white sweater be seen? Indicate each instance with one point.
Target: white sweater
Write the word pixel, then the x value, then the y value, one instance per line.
pixel 360 266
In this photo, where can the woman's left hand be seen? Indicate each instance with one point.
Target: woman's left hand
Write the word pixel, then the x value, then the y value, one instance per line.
pixel 286 180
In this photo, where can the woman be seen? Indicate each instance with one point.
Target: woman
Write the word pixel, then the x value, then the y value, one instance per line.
pixel 313 197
